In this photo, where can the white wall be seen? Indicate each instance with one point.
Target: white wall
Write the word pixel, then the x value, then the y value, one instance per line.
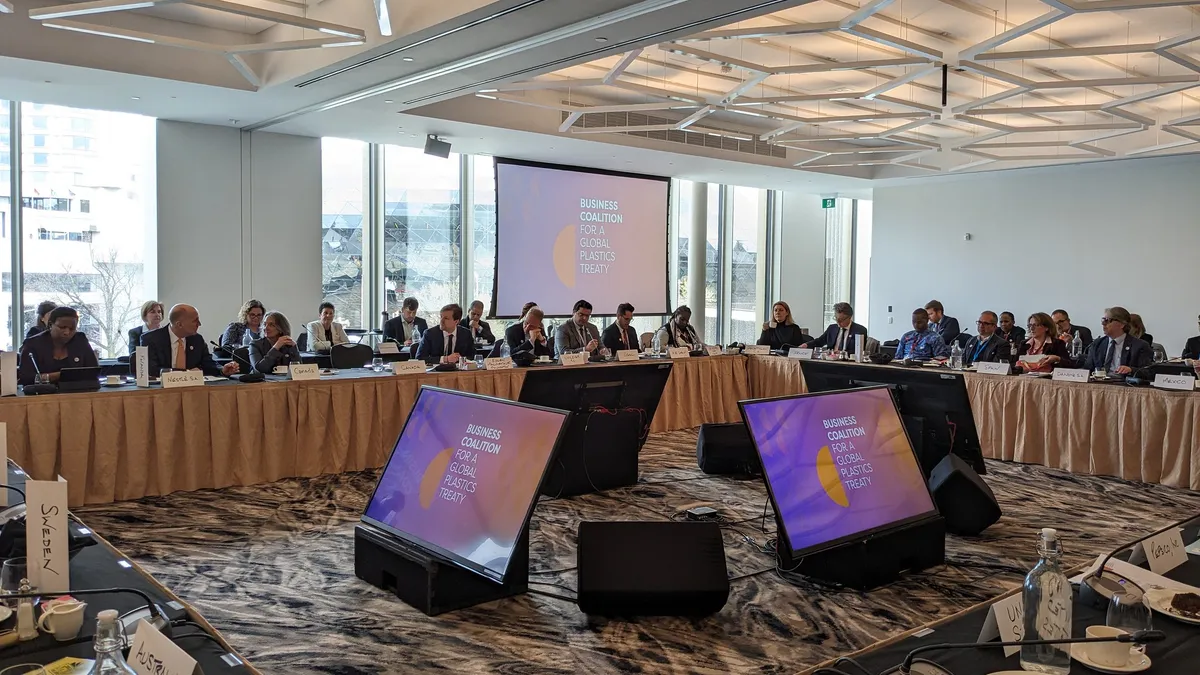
pixel 802 259
pixel 1079 237
pixel 239 217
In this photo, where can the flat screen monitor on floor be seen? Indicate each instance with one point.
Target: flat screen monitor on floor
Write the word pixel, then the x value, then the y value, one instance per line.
pixel 933 401
pixel 838 466
pixel 464 475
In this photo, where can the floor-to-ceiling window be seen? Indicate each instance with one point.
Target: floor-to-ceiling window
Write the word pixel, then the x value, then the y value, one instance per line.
pixel 422 229
pixel 863 229
pixel 88 202
pixel 839 238
pixel 712 294
pixel 6 221
pixel 343 226
pixel 746 285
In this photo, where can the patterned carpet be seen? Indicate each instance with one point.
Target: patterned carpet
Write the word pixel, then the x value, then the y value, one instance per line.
pixel 272 567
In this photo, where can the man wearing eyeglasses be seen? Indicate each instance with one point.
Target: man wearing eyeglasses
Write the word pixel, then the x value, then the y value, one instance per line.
pixel 1118 352
pixel 1062 322
pixel 987 346
pixel 1191 350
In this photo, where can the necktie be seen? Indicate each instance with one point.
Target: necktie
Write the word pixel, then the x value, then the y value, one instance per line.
pixel 449 343
pixel 841 341
pixel 180 355
pixel 582 337
pixel 625 338
pixel 1112 350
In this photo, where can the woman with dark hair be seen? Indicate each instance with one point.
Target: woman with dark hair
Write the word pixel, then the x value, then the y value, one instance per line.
pixel 247 327
pixel 781 329
pixel 324 333
pixel 1138 329
pixel 1009 331
pixel 275 347
pixel 152 316
pixel 678 331
pixel 43 318
pixel 1044 342
pixel 60 346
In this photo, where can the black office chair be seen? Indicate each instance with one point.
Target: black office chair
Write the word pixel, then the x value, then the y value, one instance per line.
pixel 302 341
pixel 350 355
pixel 963 339
pixel 242 356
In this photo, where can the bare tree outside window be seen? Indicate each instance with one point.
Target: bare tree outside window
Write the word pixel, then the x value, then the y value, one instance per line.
pixel 106 297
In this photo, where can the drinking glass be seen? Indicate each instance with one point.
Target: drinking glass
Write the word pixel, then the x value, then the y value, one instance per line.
pixel 24 669
pixel 377 364
pixel 1128 611
pixel 12 574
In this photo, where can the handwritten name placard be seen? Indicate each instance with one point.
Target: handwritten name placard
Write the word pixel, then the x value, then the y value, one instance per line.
pixel 989 368
pixel 715 350
pixel 679 352
pixel 758 350
pixel 46 535
pixel 576 359
pixel 8 373
pixel 1180 382
pixel 498 363
pixel 154 654
pixel 1165 551
pixel 627 355
pixel 800 353
pixel 1070 375
pixel 412 367
pixel 304 371
pixel 142 363
pixel 182 378
pixel 1005 620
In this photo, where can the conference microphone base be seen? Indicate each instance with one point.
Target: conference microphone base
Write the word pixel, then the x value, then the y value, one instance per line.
pixel 876 559
pixel 428 582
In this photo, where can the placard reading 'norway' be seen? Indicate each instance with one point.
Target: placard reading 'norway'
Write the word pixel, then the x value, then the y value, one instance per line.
pixel 837 464
pixel 565 235
pixel 463 474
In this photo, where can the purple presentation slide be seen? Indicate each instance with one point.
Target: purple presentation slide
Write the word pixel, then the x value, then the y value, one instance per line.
pixel 837 464
pixel 567 235
pixel 464 473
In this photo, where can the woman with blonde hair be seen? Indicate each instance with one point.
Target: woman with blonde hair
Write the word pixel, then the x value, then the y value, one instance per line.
pixel 152 316
pixel 248 326
pixel 1044 342
pixel 781 330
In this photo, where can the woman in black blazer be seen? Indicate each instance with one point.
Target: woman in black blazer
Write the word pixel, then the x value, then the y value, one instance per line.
pixel 1043 341
pixel 782 330
pixel 152 316
pixel 43 319
pixel 60 346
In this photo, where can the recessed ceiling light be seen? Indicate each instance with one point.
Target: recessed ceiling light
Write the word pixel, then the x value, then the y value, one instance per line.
pixel 137 98
pixel 414 135
pixel 601 39
pixel 762 41
pixel 389 101
pixel 407 59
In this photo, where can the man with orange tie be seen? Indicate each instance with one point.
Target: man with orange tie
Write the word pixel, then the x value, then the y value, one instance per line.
pixel 620 335
pixel 179 346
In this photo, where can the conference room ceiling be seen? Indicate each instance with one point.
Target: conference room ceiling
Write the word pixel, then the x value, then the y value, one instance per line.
pixel 835 87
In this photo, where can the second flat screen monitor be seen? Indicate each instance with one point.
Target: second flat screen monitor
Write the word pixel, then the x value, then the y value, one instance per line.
pixel 837 465
pixel 564 234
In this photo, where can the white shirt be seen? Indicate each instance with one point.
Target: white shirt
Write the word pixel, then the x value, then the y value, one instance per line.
pixel 175 347
pixel 410 330
pixel 1116 359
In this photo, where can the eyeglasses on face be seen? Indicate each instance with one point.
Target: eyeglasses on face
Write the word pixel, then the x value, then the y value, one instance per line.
pixel 985 323
pixel 1105 321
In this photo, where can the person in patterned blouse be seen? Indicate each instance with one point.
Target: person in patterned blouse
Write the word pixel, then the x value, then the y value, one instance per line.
pixel 922 342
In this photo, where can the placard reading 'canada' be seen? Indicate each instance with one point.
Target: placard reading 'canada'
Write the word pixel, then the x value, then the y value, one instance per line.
pixel 566 235
pixel 838 464
pixel 463 475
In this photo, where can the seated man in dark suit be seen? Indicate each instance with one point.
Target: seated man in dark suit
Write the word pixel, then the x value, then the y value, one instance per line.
pixel 1118 352
pixel 1191 349
pixel 840 335
pixel 479 328
pixel 620 335
pixel 448 343
pixel 1067 331
pixel 178 345
pixel 529 336
pixel 578 334
pixel 408 327
pixel 946 326
pixel 988 346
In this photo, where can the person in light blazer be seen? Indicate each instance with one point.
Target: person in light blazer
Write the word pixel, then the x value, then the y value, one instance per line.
pixel 324 333
pixel 276 346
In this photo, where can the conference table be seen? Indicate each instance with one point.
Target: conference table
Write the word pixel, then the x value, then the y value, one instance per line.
pixel 125 443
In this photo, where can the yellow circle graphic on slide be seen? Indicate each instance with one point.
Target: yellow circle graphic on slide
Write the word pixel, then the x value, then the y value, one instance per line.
pixel 564 256
pixel 432 479
pixel 827 473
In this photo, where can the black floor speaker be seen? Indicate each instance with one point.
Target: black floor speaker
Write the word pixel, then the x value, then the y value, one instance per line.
pixel 964 500
pixel 651 568
pixel 727 449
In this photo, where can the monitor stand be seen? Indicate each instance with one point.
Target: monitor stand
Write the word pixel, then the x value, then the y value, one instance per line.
pixel 875 560
pixel 428 582
pixel 598 451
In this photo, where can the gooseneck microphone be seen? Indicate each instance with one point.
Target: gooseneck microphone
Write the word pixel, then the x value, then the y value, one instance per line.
pixel 1140 637
pixel 251 375
pixel 38 387
pixel 1097 588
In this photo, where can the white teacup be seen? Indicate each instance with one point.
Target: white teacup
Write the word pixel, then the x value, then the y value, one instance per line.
pixel 63 620
pixel 113 379
pixel 1107 653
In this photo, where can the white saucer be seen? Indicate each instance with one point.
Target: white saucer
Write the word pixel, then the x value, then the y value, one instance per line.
pixel 1159 600
pixel 5 612
pixel 1137 661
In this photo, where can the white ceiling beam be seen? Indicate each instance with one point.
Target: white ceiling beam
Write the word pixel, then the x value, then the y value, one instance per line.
pixel 997 74
pixel 1183 121
pixel 923 167
pixel 819 155
pixel 661 93
pixel 279 17
pixel 621 130
pixel 895 42
pixel 987 100
pixel 1119 5
pixel 97 7
pixel 1038 109
pixel 1068 52
pixel 849 65
pixel 520 100
pixel 6 7
pixel 763 31
pixel 1178 40
pixel 1115 81
pixel 971 165
pixel 628 107
pixel 1182 59
pixel 914 74
pixel 1181 132
pixel 538 85
pixel 1147 95
pixel 779 131
pixel 291 45
pixel 865 12
pixel 909 104
pixel 625 61
pixel 244 70
pixel 890 133
pixel 133 35
pixel 792 98
pixel 1094 149
pixel 713 57
pixel 1140 119
pixel 1012 33
pixel 1160 146
pixel 694 117
pixel 865 117
pixel 1099 126
pixel 383 18
pixel 744 87
pixel 570 120
pixel 1018 144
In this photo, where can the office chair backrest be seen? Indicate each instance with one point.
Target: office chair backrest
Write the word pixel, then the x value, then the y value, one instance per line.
pixel 302 341
pixel 350 355
pixel 646 340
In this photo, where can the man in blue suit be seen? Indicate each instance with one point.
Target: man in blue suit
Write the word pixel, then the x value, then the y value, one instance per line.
pixel 946 326
pixel 839 336
pixel 449 342
pixel 1118 352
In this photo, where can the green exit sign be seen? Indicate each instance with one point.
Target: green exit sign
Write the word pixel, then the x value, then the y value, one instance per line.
pixel 829 203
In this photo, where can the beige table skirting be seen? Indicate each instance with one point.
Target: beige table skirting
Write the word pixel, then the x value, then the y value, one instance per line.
pixel 113 446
